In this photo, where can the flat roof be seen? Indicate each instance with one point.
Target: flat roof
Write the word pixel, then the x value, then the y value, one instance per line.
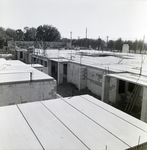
pixel 116 62
pixel 17 71
pixel 79 122
pixel 130 77
pixel 35 65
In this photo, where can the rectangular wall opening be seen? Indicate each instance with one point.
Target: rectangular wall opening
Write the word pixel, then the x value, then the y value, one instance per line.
pixel 121 86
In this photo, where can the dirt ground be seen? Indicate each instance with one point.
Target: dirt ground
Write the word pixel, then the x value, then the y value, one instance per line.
pixel 68 89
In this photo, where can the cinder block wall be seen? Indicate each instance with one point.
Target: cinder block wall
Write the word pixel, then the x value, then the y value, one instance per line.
pixel 60 73
pixel 16 93
pixel 113 90
pixel 77 75
pixel 94 80
pixel 73 74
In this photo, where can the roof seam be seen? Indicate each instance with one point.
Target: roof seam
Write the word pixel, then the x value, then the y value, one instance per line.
pixel 115 114
pixel 65 125
pixel 96 122
pixel 30 127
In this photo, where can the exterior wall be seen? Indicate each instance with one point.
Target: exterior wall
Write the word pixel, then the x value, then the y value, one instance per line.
pixel 60 73
pixel 20 43
pixel 42 69
pixel 18 57
pixel 16 93
pixel 76 75
pixel 73 74
pixel 144 105
pixel 94 80
pixel 49 67
pixel 113 90
pixel 83 77
pixel 105 89
pixel 125 48
pixel 127 94
pixel 43 61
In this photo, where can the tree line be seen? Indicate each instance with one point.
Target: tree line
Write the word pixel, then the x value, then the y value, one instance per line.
pixel 100 44
pixel 41 33
pixel 50 33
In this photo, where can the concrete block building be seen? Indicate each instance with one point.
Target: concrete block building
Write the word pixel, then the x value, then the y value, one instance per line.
pixel 21 83
pixel 89 69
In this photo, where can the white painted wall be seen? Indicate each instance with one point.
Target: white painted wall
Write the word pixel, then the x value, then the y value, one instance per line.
pixel 15 93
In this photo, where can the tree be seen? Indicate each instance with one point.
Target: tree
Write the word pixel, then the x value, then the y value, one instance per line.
pixel 111 45
pixel 47 33
pixel 30 34
pixel 2 36
pixel 2 33
pixel 118 44
pixel 10 34
pixel 19 35
pixel 99 43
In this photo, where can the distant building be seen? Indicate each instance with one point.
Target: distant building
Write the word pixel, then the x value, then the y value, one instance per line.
pixel 125 48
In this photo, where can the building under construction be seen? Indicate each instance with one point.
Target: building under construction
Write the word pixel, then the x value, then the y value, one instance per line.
pixel 76 122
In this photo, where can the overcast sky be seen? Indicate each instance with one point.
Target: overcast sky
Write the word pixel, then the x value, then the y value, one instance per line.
pixel 114 18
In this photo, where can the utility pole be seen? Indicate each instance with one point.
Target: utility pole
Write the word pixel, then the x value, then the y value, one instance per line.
pixel 86 32
pixel 58 75
pixel 71 44
pixel 107 42
pixel 70 39
pixel 86 38
pixel 142 55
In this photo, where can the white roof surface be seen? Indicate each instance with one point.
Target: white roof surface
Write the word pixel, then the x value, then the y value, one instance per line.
pixel 17 71
pixel 117 62
pixel 80 122
pixel 130 77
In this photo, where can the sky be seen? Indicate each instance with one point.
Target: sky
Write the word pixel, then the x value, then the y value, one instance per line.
pixel 126 19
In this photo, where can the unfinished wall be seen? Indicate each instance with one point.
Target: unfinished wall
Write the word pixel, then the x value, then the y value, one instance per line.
pixel 128 93
pixel 144 105
pixel 113 90
pixel 15 93
pixel 75 75
pixel 60 73
pixel 49 67
pixel 43 61
pixel 94 80
pixel 42 69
